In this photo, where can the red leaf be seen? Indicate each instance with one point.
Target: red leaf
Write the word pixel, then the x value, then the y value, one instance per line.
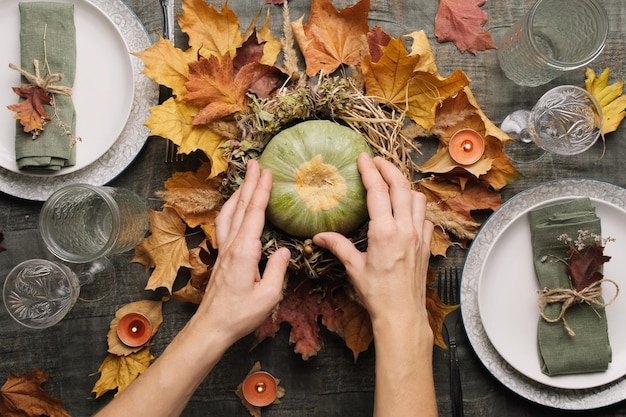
pixel 584 269
pixel 305 301
pixel 461 21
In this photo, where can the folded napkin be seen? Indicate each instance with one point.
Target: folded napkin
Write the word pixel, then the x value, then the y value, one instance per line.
pixel 53 148
pixel 589 349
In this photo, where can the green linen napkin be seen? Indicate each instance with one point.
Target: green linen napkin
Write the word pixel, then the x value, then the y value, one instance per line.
pixel 53 148
pixel 589 350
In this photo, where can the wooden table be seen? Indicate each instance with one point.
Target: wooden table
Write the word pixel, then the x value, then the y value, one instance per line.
pixel 330 384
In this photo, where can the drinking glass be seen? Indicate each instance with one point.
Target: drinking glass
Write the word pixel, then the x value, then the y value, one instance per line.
pixel 554 37
pixel 566 120
pixel 38 293
pixel 81 223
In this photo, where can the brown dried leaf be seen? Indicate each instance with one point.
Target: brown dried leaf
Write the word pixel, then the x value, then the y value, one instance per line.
pixel 30 111
pixel 461 21
pixel 22 396
pixel 117 372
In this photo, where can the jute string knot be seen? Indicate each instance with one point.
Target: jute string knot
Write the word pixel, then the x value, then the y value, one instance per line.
pixel 591 295
pixel 47 83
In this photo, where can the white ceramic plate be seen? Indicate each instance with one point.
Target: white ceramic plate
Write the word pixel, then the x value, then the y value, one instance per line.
pixel 111 97
pixel 499 298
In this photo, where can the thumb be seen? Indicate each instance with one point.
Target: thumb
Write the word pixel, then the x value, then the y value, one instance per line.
pixel 275 270
pixel 339 245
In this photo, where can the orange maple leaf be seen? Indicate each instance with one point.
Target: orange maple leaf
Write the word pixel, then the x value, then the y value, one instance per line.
pixel 165 249
pixel 461 21
pixel 30 111
pixel 23 396
pixel 332 38
pixel 393 79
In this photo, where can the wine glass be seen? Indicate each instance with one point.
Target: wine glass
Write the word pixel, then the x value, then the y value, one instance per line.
pixel 38 293
pixel 567 120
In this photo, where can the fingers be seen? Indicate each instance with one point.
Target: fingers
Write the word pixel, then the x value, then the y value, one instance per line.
pixel 275 270
pixel 340 246
pixel 245 209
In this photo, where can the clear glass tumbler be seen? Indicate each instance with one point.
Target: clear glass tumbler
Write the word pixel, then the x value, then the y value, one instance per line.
pixel 81 223
pixel 555 36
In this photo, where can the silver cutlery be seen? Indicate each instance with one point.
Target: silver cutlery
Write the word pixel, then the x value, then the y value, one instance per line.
pixel 448 287
pixel 167 6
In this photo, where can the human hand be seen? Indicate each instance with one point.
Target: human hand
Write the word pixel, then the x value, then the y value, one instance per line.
pixel 390 278
pixel 238 299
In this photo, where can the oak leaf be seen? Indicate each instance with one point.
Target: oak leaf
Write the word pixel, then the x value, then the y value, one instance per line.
pixel 304 302
pixel 356 324
pixel 22 396
pixel 196 198
pixel 584 267
pixel 332 38
pixel 165 249
pixel 211 32
pixel 610 97
pixel 117 372
pixel 394 80
pixel 173 120
pixel 30 111
pixel 151 309
pixel 462 21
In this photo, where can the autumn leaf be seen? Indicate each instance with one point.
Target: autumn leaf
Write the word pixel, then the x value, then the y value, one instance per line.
pixel 462 21
pixel 584 268
pixel 304 302
pixel 22 396
pixel 196 198
pixel 165 249
pixel 261 39
pixel 202 261
pixel 393 79
pixel 30 111
pixel 332 38
pixel 610 98
pixel 117 372
pixel 212 32
pixel 151 309
pixel 255 411
pixel 167 65
pixel 173 120
pixel 462 111
pixel 356 324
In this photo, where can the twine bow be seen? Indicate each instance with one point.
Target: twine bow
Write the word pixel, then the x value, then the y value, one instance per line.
pixel 47 83
pixel 591 295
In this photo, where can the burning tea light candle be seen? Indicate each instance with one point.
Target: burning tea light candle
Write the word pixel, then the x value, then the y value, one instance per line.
pixel 466 146
pixel 260 389
pixel 134 329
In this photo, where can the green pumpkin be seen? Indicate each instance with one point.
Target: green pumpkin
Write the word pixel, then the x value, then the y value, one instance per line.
pixel 316 183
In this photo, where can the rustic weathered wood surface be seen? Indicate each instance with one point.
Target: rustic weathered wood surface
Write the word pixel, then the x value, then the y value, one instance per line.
pixel 330 384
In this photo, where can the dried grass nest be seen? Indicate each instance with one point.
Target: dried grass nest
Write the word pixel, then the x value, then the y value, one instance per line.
pixel 329 98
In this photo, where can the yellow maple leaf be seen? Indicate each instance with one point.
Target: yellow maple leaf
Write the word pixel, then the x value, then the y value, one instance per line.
pixel 610 98
pixel 150 308
pixel 117 372
pixel 393 79
pixel 165 249
pixel 167 65
pixel 330 37
pixel 173 120
pixel 271 45
pixel 211 32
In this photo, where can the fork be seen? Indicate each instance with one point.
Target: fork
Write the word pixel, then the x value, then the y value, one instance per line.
pixel 167 7
pixel 448 288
